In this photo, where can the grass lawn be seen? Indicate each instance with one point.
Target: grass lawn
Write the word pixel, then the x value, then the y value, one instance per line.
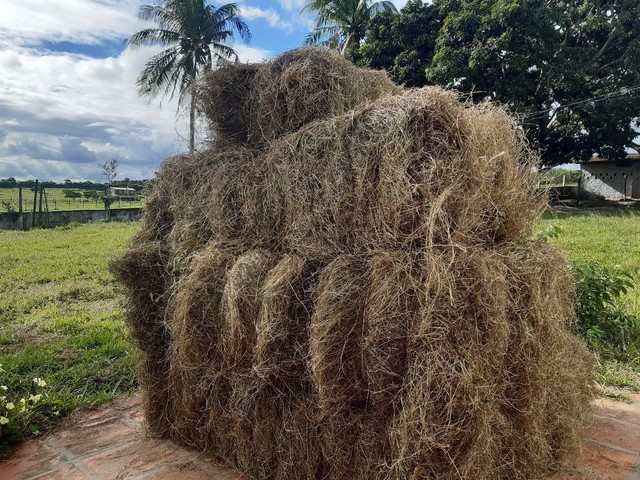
pixel 56 200
pixel 610 236
pixel 61 317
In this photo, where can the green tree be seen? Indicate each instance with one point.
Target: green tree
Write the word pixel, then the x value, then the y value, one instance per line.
pixel 402 44
pixel 568 67
pixel 197 34
pixel 342 24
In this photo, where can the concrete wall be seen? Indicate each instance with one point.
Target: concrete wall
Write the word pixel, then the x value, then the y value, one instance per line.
pixel 22 221
pixel 611 182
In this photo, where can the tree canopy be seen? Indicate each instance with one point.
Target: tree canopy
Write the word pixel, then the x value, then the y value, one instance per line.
pixel 342 24
pixel 568 67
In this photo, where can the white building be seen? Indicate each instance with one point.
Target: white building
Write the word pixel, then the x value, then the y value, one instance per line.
pixel 123 193
pixel 611 180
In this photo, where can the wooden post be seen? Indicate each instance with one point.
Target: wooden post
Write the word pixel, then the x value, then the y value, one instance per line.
pixel 40 207
pixel 35 200
pixel 19 199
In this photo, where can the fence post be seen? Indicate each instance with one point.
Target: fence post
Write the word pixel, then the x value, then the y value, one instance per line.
pixel 35 200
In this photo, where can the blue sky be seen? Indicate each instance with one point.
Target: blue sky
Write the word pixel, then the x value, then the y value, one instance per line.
pixel 67 86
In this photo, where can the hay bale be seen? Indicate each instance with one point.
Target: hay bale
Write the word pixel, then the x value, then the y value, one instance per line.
pixel 336 331
pixel 392 310
pixel 473 403
pixel 281 353
pixel 145 272
pixel 406 171
pixel 346 287
pixel 196 348
pixel 253 105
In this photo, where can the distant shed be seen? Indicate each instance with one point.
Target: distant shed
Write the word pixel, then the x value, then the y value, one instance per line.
pixel 612 179
pixel 123 193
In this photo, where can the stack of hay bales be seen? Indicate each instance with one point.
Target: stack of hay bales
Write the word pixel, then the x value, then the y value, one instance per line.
pixel 345 286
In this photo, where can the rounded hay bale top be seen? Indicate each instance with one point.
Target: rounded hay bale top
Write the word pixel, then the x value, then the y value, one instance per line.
pixel 254 104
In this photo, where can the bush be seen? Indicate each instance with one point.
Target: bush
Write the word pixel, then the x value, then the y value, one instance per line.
pixel 602 319
pixel 27 415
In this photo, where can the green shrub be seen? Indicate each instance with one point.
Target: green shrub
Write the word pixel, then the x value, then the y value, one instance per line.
pixel 602 320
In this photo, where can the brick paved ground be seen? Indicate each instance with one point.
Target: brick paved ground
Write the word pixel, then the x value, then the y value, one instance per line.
pixel 109 444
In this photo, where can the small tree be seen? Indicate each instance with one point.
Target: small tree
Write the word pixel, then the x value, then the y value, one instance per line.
pixel 110 169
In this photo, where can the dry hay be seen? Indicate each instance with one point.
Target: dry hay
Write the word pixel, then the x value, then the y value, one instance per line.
pixel 147 305
pixel 253 105
pixel 346 287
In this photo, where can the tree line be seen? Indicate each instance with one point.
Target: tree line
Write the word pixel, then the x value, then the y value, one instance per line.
pixel 568 68
pixel 138 185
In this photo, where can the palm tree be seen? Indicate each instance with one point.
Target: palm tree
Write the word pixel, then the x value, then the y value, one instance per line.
pixel 197 35
pixel 342 23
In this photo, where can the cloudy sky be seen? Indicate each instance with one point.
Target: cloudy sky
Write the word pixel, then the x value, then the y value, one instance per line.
pixel 68 100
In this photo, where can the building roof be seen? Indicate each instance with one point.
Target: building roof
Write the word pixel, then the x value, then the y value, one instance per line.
pixel 632 157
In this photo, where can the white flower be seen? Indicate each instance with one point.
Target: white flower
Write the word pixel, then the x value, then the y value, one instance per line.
pixel 4 420
pixel 4 387
pixel 56 412
pixel 39 382
pixel 10 406
pixel 35 398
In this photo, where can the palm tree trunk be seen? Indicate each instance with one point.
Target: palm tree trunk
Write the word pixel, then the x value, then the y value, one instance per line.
pixel 192 118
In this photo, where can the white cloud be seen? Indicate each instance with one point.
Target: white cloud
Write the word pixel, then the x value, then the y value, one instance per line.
pixel 83 21
pixel 74 110
pixel 62 113
pixel 292 5
pixel 252 54
pixel 272 17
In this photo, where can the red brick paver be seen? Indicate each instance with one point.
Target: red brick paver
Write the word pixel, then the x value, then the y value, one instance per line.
pixel 109 444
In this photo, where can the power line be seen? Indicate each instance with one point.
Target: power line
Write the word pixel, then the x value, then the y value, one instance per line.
pixel 623 91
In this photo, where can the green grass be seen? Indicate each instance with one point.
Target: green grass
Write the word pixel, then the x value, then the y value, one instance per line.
pixel 610 236
pixel 61 315
pixel 56 200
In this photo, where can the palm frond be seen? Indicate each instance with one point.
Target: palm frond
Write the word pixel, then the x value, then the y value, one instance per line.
pixel 319 35
pixel 156 75
pixel 153 36
pixel 163 16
